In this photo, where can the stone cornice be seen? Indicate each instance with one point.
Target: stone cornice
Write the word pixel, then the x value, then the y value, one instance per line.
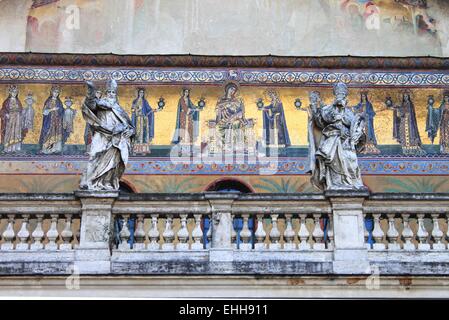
pixel 199 61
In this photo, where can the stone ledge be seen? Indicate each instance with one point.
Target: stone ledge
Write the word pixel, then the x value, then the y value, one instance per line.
pixel 229 286
pixel 96 194
pixel 346 194
pixel 36 196
pixel 268 267
pixel 409 196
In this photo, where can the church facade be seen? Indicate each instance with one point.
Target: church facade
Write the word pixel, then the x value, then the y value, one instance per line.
pixel 218 179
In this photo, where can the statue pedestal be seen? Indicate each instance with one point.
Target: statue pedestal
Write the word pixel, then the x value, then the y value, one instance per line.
pixel 221 246
pixel 93 254
pixel 350 253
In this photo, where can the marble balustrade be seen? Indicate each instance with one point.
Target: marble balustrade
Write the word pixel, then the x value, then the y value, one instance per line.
pixel 330 233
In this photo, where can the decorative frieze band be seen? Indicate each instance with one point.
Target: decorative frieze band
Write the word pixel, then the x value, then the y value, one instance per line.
pixel 285 166
pixel 216 76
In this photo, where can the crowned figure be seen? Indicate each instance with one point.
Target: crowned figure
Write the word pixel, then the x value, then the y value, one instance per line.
pixel 13 131
pixel 231 131
pixel 53 135
pixel 338 134
pixel 112 131
pixel 142 119
pixel 275 130
pixel 405 127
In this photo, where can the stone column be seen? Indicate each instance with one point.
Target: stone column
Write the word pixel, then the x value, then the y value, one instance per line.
pixel 93 254
pixel 221 224
pixel 350 253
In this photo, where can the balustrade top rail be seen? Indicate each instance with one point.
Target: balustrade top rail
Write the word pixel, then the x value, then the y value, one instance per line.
pixel 204 196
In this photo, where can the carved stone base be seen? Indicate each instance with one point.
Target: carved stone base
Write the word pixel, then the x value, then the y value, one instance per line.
pixel 351 254
pixel 93 255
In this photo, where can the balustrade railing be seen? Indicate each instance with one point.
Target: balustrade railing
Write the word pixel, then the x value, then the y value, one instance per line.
pixel 284 232
pixel 39 232
pixel 419 223
pixel 162 232
pixel 194 229
pixel 407 231
pixel 35 223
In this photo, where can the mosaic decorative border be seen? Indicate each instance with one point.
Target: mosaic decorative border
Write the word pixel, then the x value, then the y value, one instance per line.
pixel 333 62
pixel 248 77
pixel 296 166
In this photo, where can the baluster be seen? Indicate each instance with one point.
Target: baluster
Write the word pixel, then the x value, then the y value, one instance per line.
pixel 422 234
pixel 275 235
pixel 234 233
pixel 197 234
pixel 378 233
pixel 8 235
pixel 245 234
pixel 330 232
pixel 139 233
pixel 260 234
pixel 23 234
pixel 318 234
pixel 38 234
pixel 67 233
pixel 209 233
pixel 124 234
pixel 52 234
pixel 168 235
pixel 444 216
pixel 437 234
pixel 392 234
pixel 369 225
pixel 289 233
pixel 183 234
pixel 303 233
pixel 153 234
pixel 407 233
pixel 366 235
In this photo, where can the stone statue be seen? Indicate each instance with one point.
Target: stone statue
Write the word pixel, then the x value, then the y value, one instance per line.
pixel 111 139
pixel 88 129
pixel 338 134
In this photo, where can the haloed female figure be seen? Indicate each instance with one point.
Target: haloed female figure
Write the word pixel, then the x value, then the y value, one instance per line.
pixel 406 128
pixel 53 134
pixel 366 109
pixel 142 118
pixel 274 124
pixel 12 122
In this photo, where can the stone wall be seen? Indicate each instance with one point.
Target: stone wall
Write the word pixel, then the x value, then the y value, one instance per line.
pixel 253 27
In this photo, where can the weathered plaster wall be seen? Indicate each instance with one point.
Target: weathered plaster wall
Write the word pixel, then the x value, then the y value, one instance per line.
pixel 251 27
